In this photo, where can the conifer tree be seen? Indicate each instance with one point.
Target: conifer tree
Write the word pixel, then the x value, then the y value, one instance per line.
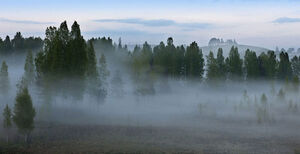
pixel 24 112
pixel 212 67
pixel 4 79
pixel 29 68
pixel 221 64
pixel 103 71
pixel 92 61
pixel 7 124
pixel 194 61
pixel 234 64
pixel 296 65
pixel 284 68
pixel 117 84
pixel 7 45
pixel 272 65
pixel 251 64
pixel 95 87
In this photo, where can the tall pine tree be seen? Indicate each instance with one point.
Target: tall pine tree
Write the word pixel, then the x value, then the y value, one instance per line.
pixel 29 68
pixel 194 61
pixel 7 124
pixel 221 64
pixel 24 112
pixel 212 67
pixel 4 79
pixel 234 64
pixel 284 68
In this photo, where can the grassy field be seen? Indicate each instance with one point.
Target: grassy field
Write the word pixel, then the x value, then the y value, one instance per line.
pixel 62 138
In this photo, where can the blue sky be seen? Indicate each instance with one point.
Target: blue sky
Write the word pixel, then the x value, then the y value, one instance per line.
pixel 264 23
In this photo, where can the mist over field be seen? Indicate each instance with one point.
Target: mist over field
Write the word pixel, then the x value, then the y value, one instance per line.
pixel 195 116
pixel 184 77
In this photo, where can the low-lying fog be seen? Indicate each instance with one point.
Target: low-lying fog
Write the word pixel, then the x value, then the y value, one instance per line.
pixel 232 107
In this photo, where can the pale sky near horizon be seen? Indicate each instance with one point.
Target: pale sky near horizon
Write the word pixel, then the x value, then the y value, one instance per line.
pixel 263 23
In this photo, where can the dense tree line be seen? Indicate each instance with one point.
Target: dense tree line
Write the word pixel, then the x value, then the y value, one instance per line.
pixel 170 61
pixel 188 62
pixel 67 57
pixel 19 44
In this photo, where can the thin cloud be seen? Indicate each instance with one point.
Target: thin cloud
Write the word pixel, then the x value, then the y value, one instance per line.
pixel 121 32
pixel 150 23
pixel 24 21
pixel 286 20
pixel 157 23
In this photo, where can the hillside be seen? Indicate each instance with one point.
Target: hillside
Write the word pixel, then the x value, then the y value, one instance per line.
pixel 214 44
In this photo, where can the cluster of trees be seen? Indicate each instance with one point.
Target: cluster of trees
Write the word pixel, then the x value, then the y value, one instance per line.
pixel 168 60
pixel 105 45
pixel 19 44
pixel 23 113
pixel 181 62
pixel 69 61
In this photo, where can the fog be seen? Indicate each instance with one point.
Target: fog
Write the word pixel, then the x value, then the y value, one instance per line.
pixel 233 108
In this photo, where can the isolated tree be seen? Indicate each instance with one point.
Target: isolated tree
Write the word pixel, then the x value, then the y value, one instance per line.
pixel 4 79
pixel 24 112
pixel 7 124
pixel 29 68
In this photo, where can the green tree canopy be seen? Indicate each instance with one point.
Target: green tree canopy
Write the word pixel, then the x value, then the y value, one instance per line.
pixel 234 64
pixel 284 68
pixel 4 79
pixel 29 74
pixel 24 112
pixel 251 64
pixel 212 67
pixel 194 61
pixel 7 115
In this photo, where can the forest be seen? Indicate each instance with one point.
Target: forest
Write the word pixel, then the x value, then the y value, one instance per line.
pixel 64 91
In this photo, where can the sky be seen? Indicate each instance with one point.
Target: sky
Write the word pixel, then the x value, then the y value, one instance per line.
pixel 265 23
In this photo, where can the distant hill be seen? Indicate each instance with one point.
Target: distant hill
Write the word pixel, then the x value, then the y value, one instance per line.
pixel 214 44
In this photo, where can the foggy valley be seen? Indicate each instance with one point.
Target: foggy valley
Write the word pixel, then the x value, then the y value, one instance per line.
pixel 163 77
